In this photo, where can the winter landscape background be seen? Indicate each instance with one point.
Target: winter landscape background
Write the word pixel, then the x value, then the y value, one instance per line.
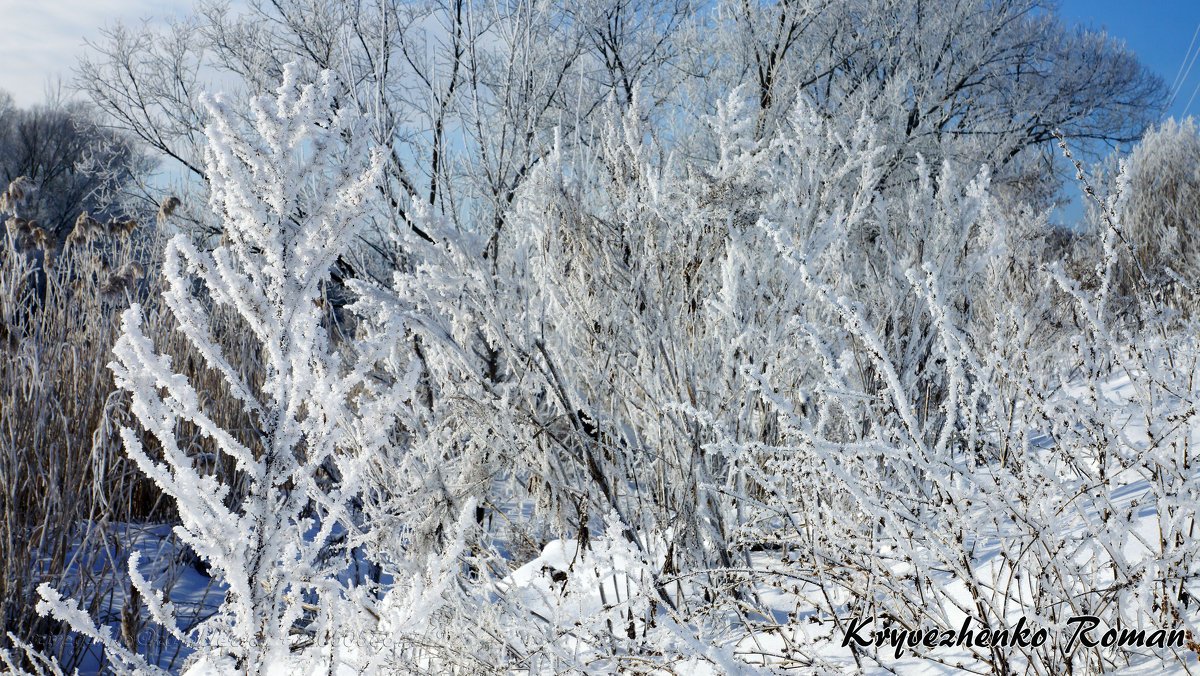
pixel 628 336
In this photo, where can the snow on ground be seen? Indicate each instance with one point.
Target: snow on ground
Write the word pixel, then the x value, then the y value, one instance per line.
pixel 167 566
pixel 570 586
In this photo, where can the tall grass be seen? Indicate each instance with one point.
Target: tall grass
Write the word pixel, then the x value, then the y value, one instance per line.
pixel 68 493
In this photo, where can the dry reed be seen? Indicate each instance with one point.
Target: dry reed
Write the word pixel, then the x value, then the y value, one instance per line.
pixel 68 493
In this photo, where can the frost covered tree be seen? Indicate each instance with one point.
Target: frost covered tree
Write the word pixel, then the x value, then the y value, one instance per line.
pixel 290 191
pixel 975 82
pixel 1158 212
pixel 465 97
pixel 74 162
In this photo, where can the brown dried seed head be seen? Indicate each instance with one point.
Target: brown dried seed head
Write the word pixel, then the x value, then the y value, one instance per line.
pixel 21 188
pixel 39 237
pixel 17 225
pixel 130 619
pixel 85 226
pixel 120 226
pixel 133 270
pixel 112 286
pixel 167 208
pixel 16 193
pixel 9 340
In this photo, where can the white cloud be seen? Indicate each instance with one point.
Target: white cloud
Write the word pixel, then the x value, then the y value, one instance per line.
pixel 40 40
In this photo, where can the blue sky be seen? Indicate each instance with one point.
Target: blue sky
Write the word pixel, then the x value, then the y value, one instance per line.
pixel 1160 31
pixel 40 39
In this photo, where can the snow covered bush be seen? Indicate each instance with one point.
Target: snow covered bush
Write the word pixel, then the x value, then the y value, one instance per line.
pixel 800 391
pixel 676 416
pixel 1159 212
pixel 289 194
pixel 945 461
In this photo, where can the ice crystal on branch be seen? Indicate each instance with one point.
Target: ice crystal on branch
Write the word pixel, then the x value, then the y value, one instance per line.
pixel 290 192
